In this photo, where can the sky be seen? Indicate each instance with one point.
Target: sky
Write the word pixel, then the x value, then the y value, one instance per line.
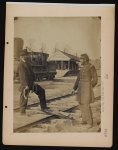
pixel 75 35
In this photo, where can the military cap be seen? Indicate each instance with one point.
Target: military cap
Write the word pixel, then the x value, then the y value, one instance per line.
pixel 84 56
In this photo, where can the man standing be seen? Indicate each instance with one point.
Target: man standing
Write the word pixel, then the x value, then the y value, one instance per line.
pixel 27 79
pixel 86 80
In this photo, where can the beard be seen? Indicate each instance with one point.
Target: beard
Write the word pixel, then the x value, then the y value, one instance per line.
pixel 83 63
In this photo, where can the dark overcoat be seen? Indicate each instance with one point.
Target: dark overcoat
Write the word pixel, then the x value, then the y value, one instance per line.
pixel 86 80
pixel 26 75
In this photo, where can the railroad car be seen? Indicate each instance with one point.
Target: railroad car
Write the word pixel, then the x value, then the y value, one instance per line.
pixel 41 67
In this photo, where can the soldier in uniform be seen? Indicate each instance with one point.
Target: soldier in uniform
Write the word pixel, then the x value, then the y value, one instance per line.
pixel 86 81
pixel 27 79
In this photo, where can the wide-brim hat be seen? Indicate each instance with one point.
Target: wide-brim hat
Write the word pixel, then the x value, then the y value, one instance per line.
pixel 23 52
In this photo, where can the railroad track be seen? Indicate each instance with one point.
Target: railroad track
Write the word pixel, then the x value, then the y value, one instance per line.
pixel 43 120
pixel 62 103
pixel 58 103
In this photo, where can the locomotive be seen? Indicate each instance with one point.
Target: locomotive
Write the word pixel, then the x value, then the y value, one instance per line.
pixel 38 60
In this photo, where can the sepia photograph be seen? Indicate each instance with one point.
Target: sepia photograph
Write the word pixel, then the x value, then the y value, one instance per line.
pixel 57 75
pixel 58 68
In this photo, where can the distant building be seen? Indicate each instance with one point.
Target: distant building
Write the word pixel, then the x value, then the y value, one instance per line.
pixel 63 60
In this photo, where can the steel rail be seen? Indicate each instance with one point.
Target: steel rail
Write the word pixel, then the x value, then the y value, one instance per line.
pixel 43 120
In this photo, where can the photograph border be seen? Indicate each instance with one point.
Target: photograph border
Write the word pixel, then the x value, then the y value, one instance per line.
pixel 107 15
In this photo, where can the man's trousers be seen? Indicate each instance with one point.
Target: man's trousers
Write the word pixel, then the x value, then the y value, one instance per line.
pixel 39 91
pixel 86 113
